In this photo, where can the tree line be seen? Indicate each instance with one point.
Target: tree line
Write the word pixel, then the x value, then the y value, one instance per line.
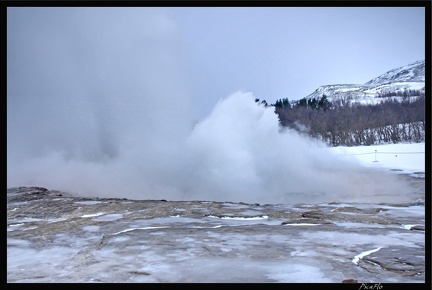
pixel 353 124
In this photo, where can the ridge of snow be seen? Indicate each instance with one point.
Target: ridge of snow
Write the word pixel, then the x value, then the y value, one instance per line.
pixel 414 71
pixel 404 78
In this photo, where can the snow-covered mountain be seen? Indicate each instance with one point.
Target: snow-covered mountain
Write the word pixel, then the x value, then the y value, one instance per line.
pixel 413 72
pixel 406 78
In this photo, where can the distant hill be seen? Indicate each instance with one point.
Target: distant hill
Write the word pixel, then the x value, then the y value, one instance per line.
pixel 413 72
pixel 387 109
pixel 408 80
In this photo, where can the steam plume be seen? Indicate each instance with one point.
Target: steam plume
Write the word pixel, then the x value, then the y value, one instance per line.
pixel 109 114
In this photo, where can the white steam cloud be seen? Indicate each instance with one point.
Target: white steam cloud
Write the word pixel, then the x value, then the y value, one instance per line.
pixel 97 105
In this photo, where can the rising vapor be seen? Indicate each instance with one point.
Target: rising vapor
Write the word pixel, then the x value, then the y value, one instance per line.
pixel 98 105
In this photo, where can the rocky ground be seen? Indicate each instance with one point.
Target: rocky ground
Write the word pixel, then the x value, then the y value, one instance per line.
pixel 53 236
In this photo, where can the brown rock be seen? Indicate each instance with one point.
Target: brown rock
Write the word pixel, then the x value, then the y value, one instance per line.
pixel 349 281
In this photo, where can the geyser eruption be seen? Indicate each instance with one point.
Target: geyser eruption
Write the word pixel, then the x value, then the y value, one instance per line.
pixel 240 153
pixel 237 153
pixel 110 115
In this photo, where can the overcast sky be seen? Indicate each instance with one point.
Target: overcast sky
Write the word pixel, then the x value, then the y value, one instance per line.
pixel 280 52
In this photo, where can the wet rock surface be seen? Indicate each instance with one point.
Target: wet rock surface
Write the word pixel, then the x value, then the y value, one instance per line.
pixel 54 236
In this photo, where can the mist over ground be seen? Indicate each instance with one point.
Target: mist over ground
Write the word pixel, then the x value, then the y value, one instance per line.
pixel 109 115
